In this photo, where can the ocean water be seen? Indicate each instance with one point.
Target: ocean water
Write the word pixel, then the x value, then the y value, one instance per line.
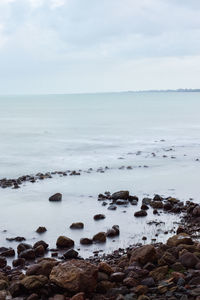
pixel 157 134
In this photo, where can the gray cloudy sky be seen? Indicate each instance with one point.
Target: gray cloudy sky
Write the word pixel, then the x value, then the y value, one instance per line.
pixel 64 46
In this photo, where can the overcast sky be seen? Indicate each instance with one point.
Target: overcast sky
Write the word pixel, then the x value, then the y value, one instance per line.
pixel 73 46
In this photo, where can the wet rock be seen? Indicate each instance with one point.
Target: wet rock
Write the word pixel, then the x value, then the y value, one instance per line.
pixel 180 229
pixel 102 276
pixel 181 238
pixel 27 254
pixel 117 277
pixel 16 288
pixel 39 251
pixel 121 202
pixel 7 252
pixel 144 254
pixel 3 262
pixel 189 260
pixel 33 297
pixel 43 267
pixel 120 195
pixel 106 268
pixel 114 231
pixel 75 276
pixel 18 262
pixel 41 229
pixel 78 225
pixel 156 204
pixel 34 282
pixel 99 237
pixel 112 207
pixel 79 296
pixel 144 207
pixel 86 241
pixel 157 198
pixel 159 273
pixel 64 242
pixel 41 243
pixel 99 217
pixel 141 289
pixel 146 201
pixel 149 281
pixel 196 211
pixel 22 247
pixel 71 253
pixel 16 239
pixel 141 213
pixel 56 197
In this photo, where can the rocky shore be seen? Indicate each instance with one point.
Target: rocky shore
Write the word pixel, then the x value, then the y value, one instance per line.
pixel 153 271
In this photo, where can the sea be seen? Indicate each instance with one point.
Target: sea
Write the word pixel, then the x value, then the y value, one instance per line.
pixel 145 142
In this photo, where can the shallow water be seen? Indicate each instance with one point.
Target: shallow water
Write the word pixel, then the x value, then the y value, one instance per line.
pixel 83 131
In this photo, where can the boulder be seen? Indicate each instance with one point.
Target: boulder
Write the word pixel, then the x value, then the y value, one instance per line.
pixel 99 237
pixel 120 195
pixel 34 282
pixel 41 229
pixel 144 254
pixel 41 243
pixel 159 273
pixel 27 254
pixel 3 262
pixel 189 260
pixel 106 268
pixel 43 267
pixel 78 225
pixel 64 242
pixel 23 246
pixel 71 253
pixel 75 276
pixel 181 238
pixel 114 231
pixel 140 213
pixel 56 197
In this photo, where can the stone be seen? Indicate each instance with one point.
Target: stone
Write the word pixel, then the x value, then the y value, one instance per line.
pixel 122 202
pixel 144 254
pixel 23 246
pixel 64 242
pixel 196 211
pixel 140 213
pixel 86 241
pixel 117 277
pixel 79 296
pixel 27 254
pixel 8 252
pixel 71 253
pixel 181 238
pixel 41 229
pixel 43 267
pixel 56 197
pixel 106 268
pixel 99 237
pixel 99 217
pixel 75 276
pixel 18 262
pixel 3 262
pixel 78 225
pixel 41 243
pixel 148 281
pixel 159 273
pixel 114 231
pixel 3 284
pixel 33 297
pixel 189 260
pixel 141 289
pixel 39 251
pixel 34 282
pixel 120 195
pixel 112 207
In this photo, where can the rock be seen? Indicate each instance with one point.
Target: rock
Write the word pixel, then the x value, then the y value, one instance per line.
pixel 146 201
pixel 41 229
pixel 181 238
pixel 144 254
pixel 156 204
pixel 16 239
pixel 196 211
pixel 15 288
pixel 75 276
pixel 8 252
pixel 130 282
pixel 79 296
pixel 99 217
pixel 64 242
pixel 141 289
pixel 18 262
pixel 39 251
pixel 189 260
pixel 114 231
pixel 78 225
pixel 104 287
pixel 112 207
pixel 86 241
pixel 71 253
pixel 120 195
pixel 102 276
pixel 106 268
pixel 23 246
pixel 159 273
pixel 43 267
pixel 149 281
pixel 144 207
pixel 56 197
pixel 33 297
pixel 180 229
pixel 141 213
pixel 99 237
pixel 27 254
pixel 34 282
pixel 41 243
pixel 117 277
pixel 157 198
pixel 167 258
pixel 3 262
pixel 3 284
pixel 122 202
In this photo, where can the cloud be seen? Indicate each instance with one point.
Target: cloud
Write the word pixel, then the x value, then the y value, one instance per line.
pixel 67 36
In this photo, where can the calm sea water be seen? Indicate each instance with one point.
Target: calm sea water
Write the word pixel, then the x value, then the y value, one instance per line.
pixel 44 133
pixel 47 133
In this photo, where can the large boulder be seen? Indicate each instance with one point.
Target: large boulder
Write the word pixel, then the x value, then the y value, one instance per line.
pixel 120 195
pixel 181 238
pixel 99 237
pixel 75 276
pixel 56 197
pixel 144 254
pixel 64 242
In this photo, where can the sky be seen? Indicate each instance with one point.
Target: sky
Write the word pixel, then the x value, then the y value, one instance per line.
pixel 75 46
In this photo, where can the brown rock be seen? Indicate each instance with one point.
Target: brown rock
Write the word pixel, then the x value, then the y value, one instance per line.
pixel 39 251
pixel 86 241
pixel 120 195
pixel 117 277
pixel 27 254
pixel 33 297
pixel 181 238
pixel 41 229
pixel 144 254
pixel 41 243
pixel 34 281
pixel 78 225
pixel 3 262
pixel 140 213
pixel 79 296
pixel 99 217
pixel 159 273
pixel 75 276
pixel 3 284
pixel 56 197
pixel 189 260
pixel 99 237
pixel 64 242
pixel 141 289
pixel 106 268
